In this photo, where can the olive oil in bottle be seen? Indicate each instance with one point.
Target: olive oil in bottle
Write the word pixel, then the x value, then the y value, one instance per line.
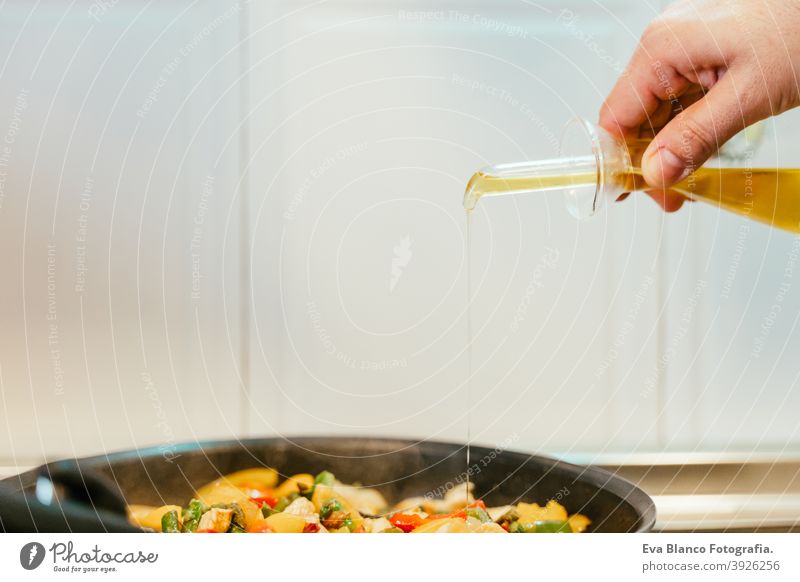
pixel 767 195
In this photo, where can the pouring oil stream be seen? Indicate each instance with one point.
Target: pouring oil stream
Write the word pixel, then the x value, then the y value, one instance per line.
pixel 469 343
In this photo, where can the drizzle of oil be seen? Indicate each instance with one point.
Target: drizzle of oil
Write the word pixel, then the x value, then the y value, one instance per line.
pixel 469 344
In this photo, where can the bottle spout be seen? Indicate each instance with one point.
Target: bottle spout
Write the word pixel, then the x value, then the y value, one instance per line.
pixel 592 168
pixel 527 177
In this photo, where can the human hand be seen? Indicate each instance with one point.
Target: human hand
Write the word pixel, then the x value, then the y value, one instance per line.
pixel 703 71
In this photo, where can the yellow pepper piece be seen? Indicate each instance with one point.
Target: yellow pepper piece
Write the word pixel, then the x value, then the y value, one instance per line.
pixel 443 525
pixel 578 523
pixel 294 484
pixel 532 512
pixel 150 517
pixel 260 478
pixel 490 528
pixel 286 523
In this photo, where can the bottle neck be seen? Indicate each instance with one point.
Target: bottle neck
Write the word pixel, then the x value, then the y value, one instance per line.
pixel 593 169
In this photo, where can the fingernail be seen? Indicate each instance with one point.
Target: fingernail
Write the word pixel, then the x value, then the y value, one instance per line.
pixel 664 166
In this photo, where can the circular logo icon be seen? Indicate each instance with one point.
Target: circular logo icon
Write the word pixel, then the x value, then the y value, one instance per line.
pixel 31 555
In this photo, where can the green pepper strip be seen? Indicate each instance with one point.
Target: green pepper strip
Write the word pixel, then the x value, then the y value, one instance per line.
pixel 192 514
pixel 170 523
pixel 325 478
pixel 540 527
pixel 479 514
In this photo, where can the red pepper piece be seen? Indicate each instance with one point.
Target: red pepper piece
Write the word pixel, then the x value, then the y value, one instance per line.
pixel 406 521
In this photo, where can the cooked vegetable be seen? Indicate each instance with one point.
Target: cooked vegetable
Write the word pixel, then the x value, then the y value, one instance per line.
pixel 325 478
pixel 192 514
pixel 267 500
pixel 579 523
pixel 531 512
pixel 216 519
pixel 324 493
pixel 255 482
pixel 238 521
pixel 301 484
pixel 286 523
pixel 478 513
pixel 552 527
pixel 284 502
pixel 266 510
pixel 540 527
pixel 330 507
pixel 260 526
pixel 446 525
pixel 221 493
pixel 406 521
pixel 170 522
pixel 379 525
pixel 150 517
pixel 252 501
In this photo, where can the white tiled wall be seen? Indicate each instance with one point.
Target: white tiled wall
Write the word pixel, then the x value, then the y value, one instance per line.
pixel 317 152
pixel 120 226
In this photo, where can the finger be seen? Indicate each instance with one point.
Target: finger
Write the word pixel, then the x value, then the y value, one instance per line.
pixel 673 54
pixel 687 100
pixel 654 74
pixel 658 119
pixel 663 115
pixel 638 95
pixel 707 78
pixel 697 132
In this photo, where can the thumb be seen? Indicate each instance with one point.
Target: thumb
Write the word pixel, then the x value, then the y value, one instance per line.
pixel 687 141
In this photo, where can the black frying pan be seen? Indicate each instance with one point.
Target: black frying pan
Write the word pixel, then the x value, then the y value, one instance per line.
pixel 90 494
